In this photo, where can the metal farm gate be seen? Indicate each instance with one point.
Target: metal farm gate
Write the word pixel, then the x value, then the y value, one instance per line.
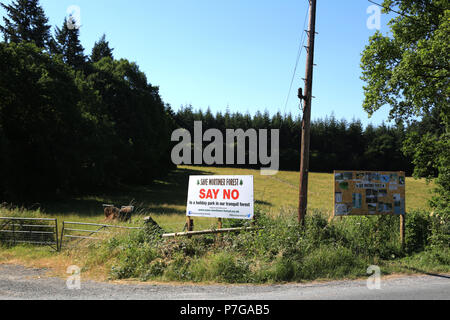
pixel 35 231
pixel 87 231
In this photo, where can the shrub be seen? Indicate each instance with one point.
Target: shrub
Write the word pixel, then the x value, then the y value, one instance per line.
pixel 281 251
pixel 373 237
pixel 223 267
pixel 330 262
pixel 417 231
pixel 440 230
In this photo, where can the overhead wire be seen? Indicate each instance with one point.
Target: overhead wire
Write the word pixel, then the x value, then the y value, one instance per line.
pixel 390 9
pixel 299 54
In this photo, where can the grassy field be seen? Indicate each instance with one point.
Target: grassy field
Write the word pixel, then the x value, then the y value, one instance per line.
pixel 165 200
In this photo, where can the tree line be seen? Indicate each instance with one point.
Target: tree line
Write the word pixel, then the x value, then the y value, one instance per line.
pixel 71 122
pixel 335 144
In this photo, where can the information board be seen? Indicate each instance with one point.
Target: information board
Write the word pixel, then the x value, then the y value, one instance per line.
pixel 369 193
pixel 229 197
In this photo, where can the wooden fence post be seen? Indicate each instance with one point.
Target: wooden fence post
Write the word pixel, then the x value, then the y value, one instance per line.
pixel 14 234
pixel 219 226
pixel 190 224
pixel 56 235
pixel 402 230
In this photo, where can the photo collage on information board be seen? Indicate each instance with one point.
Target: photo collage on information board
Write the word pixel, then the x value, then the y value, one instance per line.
pixel 369 193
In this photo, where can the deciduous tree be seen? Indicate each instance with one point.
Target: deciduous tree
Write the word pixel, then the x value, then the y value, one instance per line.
pixel 409 70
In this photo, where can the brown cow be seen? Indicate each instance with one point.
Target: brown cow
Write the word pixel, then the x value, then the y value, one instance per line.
pixel 111 212
pixel 125 213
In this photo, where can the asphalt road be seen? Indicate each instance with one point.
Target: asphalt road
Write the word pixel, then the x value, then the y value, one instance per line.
pixel 19 283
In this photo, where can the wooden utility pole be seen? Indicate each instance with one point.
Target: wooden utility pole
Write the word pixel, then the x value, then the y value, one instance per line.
pixel 306 125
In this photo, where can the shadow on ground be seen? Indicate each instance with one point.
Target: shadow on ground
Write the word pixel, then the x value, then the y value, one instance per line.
pixel 160 197
pixel 416 270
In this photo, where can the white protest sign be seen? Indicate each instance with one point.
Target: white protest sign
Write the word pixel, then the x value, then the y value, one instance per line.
pixel 229 197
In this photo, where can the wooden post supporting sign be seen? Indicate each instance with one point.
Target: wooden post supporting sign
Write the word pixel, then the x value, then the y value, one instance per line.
pixel 190 224
pixel 402 230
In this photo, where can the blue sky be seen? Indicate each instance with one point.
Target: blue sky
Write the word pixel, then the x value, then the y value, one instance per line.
pixel 238 54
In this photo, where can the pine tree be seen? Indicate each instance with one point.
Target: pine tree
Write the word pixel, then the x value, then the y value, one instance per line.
pixel 25 20
pixel 69 45
pixel 101 50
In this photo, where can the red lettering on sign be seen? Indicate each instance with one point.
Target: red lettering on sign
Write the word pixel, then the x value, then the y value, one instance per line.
pixel 210 194
pixel 228 194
